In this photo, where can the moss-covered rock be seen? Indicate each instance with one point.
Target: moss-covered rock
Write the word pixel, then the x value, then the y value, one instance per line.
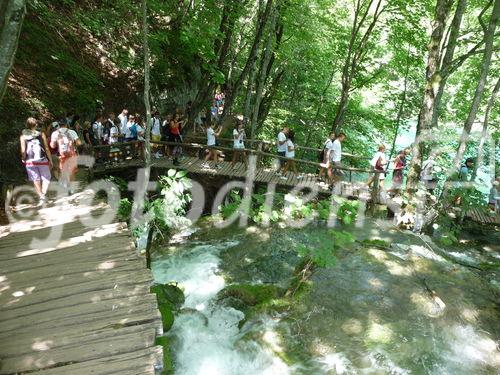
pixel 251 294
pixel 167 316
pixel 168 361
pixel 169 293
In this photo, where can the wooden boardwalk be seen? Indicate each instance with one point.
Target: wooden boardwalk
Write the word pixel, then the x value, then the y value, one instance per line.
pixel 78 305
pixel 264 175
pixel 483 216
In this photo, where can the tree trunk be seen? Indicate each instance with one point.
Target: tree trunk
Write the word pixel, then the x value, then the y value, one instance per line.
pixel 355 53
pixel 484 134
pixel 12 14
pixel 320 104
pixel 221 49
pixel 248 95
pixel 448 58
pixel 442 11
pixel 147 103
pixel 253 53
pixel 266 58
pixel 485 67
pixel 402 104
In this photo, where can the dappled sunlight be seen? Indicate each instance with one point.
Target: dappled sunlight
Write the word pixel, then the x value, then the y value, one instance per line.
pixel 352 326
pixel 88 236
pixel 431 306
pixel 41 346
pixel 379 333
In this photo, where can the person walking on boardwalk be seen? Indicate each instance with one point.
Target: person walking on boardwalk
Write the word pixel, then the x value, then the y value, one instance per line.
pixel 123 116
pixel 238 144
pixel 398 172
pixel 325 156
pixel 211 143
pixel 378 163
pixel 36 157
pixel 66 142
pixel 175 136
pixel 334 173
pixel 282 147
pixel 156 133
pixel 428 175
pixel 290 155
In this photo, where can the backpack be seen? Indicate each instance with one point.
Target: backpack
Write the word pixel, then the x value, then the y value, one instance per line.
pixel 92 135
pixel 65 144
pixel 35 149
pixel 321 153
pixel 133 131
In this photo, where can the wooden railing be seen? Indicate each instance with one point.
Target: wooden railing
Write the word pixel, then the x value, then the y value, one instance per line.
pixel 120 152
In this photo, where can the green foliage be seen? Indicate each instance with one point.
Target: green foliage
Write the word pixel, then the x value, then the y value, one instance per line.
pixel 250 294
pixel 376 243
pixel 341 238
pixel 348 211
pixel 322 256
pixel 448 239
pixel 124 209
pixel 118 181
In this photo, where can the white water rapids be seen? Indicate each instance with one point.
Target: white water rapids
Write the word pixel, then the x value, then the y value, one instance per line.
pixel 206 337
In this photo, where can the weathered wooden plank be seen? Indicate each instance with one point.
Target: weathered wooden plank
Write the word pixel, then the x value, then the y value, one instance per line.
pixel 32 300
pixel 76 336
pixel 57 290
pixel 66 315
pixel 90 270
pixel 83 298
pixel 89 251
pixel 123 342
pixel 141 361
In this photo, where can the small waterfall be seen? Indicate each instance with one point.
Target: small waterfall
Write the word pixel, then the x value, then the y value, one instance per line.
pixel 206 337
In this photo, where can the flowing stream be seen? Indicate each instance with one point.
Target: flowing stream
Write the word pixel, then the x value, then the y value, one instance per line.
pixel 401 310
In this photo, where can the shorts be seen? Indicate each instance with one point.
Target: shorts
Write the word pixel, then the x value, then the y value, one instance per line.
pixel 68 165
pixel 239 146
pixel 156 138
pixel 282 154
pixel 381 175
pixel 336 172
pixel 38 172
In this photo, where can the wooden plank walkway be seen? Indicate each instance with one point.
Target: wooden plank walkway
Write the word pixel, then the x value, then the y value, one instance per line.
pixel 483 217
pixel 80 305
pixel 264 175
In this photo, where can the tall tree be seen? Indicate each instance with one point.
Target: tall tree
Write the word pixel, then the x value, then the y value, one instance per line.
pixel 484 133
pixel 263 72
pixel 444 66
pixel 356 52
pixel 441 13
pixel 11 20
pixel 235 88
pixel 489 35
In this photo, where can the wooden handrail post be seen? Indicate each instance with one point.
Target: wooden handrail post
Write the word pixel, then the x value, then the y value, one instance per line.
pixel 375 190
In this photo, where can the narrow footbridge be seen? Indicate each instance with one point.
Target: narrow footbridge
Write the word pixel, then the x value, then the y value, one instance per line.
pixel 74 295
pixel 124 156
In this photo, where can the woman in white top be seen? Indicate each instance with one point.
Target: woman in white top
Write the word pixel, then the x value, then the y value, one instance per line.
pixel 238 144
pixel 378 163
pixel 290 154
pixel 212 142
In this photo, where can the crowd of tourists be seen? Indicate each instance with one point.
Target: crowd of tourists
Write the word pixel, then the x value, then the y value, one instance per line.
pixel 53 149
